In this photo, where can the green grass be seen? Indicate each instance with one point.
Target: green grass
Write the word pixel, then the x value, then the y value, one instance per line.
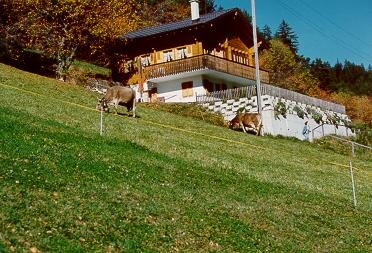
pixel 91 68
pixel 163 182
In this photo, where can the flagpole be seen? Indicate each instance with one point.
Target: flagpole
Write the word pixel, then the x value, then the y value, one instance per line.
pixel 256 61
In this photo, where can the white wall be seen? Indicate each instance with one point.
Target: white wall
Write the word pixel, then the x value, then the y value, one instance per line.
pixel 290 126
pixel 172 90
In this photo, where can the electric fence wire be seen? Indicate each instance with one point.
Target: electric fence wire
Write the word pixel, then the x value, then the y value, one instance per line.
pixel 307 21
pixel 335 24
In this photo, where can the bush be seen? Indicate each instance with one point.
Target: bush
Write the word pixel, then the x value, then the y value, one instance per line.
pixel 280 109
pixel 300 113
pixel 363 133
pixel 318 117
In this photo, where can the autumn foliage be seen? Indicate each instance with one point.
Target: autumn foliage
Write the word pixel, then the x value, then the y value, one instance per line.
pixel 60 28
pixel 285 70
pixel 288 71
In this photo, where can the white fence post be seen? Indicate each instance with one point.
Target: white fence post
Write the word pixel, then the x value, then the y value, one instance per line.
pixel 101 124
pixel 353 184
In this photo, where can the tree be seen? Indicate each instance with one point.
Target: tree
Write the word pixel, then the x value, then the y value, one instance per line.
pixel 9 16
pixel 247 16
pixel 322 71
pixel 287 36
pixel 207 6
pixel 59 28
pixel 286 71
pixel 163 11
pixel 155 12
pixel 266 33
pixel 279 60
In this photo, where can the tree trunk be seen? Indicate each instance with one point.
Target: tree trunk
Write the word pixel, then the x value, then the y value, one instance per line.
pixel 64 61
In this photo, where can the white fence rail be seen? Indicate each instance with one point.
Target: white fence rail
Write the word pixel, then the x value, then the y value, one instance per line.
pixel 250 91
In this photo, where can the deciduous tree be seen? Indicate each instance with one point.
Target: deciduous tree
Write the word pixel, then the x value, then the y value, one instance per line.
pixel 164 11
pixel 285 70
pixel 60 28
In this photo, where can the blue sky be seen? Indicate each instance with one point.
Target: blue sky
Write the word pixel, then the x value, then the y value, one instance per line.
pixel 328 29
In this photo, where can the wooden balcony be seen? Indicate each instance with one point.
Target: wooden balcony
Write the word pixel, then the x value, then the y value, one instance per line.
pixel 203 62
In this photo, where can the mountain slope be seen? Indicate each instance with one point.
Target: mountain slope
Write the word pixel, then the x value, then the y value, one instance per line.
pixel 163 182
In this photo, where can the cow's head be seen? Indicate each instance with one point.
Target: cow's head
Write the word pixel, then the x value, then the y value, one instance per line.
pixel 233 122
pixel 102 105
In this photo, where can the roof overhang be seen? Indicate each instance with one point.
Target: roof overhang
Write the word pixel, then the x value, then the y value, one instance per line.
pixel 211 30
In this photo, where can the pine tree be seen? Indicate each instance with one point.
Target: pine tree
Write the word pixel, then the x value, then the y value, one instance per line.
pixel 286 34
pixel 247 16
pixel 322 71
pixel 266 32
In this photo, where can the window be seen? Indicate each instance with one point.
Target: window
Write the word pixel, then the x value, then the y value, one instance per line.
pixel 153 94
pixel 168 55
pixel 145 60
pixel 187 89
pixel 181 53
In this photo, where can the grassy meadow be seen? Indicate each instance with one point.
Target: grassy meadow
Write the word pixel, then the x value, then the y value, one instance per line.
pixel 163 182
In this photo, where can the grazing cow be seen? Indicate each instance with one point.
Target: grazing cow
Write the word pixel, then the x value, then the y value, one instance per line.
pixel 118 95
pixel 251 120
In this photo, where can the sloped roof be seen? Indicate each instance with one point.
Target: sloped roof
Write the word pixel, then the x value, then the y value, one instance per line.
pixel 153 30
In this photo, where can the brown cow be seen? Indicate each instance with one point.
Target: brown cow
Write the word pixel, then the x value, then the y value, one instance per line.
pixel 251 120
pixel 118 95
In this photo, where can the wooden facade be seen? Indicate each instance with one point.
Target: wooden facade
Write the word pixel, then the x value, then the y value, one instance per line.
pixel 219 42
pixel 232 50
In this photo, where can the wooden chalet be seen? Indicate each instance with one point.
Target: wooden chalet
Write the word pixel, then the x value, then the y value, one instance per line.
pixel 174 62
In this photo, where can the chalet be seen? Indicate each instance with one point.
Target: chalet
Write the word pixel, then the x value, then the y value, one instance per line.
pixel 209 59
pixel 176 61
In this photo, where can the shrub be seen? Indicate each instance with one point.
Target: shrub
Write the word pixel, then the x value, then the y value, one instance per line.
pixel 318 117
pixel 333 119
pixel 280 109
pixel 363 133
pixel 300 113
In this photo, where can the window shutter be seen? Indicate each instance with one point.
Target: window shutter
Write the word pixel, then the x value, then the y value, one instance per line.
pixel 187 90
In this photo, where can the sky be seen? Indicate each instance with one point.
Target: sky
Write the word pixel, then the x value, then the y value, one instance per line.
pixel 333 30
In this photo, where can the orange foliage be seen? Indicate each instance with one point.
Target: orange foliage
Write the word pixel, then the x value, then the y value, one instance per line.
pixel 359 108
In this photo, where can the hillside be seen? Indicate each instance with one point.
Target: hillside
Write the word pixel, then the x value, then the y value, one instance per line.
pixel 163 182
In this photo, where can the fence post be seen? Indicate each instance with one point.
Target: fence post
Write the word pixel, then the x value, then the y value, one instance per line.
pixel 352 175
pixel 101 124
pixel 353 184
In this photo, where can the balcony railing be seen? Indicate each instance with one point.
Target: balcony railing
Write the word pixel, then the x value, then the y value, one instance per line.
pixel 203 62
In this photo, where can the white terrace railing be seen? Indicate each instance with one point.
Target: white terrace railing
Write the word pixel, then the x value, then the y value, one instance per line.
pixel 250 91
pixel 202 62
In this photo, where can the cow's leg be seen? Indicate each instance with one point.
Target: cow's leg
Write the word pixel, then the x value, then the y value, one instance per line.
pixel 116 107
pixel 242 126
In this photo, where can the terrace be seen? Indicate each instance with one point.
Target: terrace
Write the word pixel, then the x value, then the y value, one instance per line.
pixel 203 62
